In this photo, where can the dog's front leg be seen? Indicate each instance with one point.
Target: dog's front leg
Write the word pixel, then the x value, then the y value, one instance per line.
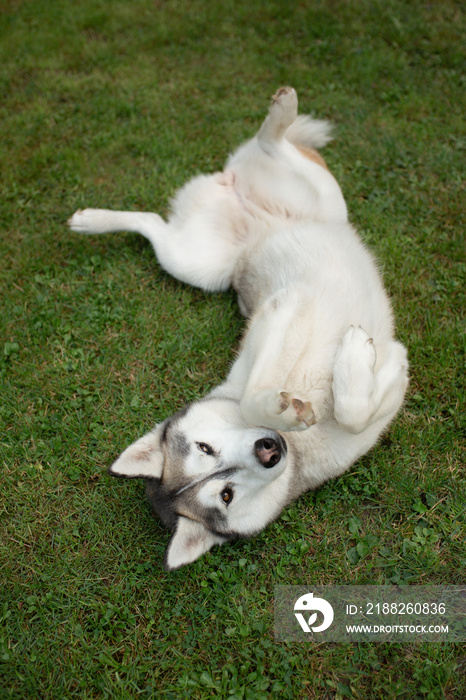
pixel 363 396
pixel 259 376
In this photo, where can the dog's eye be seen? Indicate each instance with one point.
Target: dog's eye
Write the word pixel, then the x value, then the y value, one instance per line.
pixel 227 496
pixel 205 448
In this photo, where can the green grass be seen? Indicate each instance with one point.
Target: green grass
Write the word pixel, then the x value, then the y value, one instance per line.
pixel 117 104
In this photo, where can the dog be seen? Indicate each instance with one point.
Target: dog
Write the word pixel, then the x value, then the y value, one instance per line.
pixel 319 374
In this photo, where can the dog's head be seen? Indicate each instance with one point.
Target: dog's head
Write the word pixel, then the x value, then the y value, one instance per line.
pixel 209 477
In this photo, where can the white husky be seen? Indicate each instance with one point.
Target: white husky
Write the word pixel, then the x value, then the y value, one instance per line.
pixel 319 375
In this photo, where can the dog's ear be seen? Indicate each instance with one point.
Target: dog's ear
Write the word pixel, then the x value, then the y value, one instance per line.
pixel 190 540
pixel 143 459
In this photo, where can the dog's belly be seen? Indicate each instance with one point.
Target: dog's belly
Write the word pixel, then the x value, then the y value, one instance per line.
pixel 342 283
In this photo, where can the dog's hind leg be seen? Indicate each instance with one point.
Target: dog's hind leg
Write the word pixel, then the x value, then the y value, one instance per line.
pixel 96 221
pixel 192 252
pixel 363 396
pixel 283 112
pixel 99 221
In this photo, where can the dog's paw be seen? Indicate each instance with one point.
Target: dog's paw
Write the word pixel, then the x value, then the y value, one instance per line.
pixel 279 410
pixel 284 107
pixel 82 221
pixel 282 113
pixel 356 356
pixel 354 379
pixel 295 413
pixel 226 178
pixel 285 96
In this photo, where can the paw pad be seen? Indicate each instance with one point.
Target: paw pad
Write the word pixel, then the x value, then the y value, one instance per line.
pixel 303 409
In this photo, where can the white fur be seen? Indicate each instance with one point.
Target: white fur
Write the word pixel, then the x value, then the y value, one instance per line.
pixel 319 362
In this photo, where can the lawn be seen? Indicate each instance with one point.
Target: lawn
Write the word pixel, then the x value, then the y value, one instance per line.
pixel 116 104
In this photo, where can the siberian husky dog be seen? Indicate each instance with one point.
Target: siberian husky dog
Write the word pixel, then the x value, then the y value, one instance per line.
pixel 319 375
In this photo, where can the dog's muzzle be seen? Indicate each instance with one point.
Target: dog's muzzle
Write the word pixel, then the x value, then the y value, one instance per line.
pixel 269 451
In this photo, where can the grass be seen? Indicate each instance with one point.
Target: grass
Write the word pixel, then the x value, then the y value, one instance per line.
pixel 117 104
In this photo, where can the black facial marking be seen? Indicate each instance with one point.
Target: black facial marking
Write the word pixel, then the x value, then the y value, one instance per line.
pixel 169 503
pixel 212 518
pixel 179 446
pixel 162 502
pixel 219 474
pixel 163 436
pixel 171 422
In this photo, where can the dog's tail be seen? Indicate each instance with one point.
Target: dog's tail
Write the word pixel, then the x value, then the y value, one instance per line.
pixel 306 132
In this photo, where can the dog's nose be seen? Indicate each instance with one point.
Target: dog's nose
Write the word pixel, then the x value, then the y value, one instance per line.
pixel 268 452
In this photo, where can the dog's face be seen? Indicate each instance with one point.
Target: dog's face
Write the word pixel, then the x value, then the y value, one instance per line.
pixel 209 476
